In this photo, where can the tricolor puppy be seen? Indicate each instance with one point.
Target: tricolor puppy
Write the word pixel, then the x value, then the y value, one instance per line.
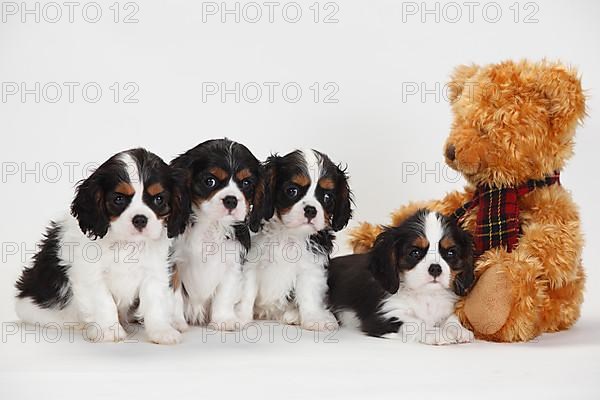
pixel 408 284
pixel 308 198
pixel 108 263
pixel 227 189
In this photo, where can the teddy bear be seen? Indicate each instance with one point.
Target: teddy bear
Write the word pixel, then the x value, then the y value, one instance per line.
pixel 512 133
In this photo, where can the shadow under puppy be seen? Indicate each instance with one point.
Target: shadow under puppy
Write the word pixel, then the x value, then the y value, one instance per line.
pixel 407 286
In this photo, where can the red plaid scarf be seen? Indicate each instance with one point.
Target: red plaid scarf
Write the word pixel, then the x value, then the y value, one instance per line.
pixel 498 213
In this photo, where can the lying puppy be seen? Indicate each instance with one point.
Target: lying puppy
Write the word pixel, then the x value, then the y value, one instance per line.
pixel 106 264
pixel 408 284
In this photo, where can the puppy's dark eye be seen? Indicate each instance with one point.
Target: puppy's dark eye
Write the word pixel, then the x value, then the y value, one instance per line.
pixel 451 252
pixel 159 200
pixel 210 182
pixel 292 191
pixel 247 183
pixel 416 253
pixel 119 200
pixel 327 199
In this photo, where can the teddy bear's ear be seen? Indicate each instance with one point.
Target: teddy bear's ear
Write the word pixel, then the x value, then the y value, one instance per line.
pixel 459 77
pixel 562 89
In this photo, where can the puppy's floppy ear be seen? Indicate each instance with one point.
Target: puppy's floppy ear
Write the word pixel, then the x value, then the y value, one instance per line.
pixel 465 277
pixel 343 201
pixel 181 203
pixel 258 202
pixel 385 258
pixel 89 208
pixel 270 184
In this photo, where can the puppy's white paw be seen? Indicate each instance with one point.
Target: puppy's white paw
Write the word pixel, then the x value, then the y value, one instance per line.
pixel 324 322
pixel 291 317
pixel 180 325
pixel 436 337
pixel 229 324
pixel 459 334
pixel 165 336
pixel 113 333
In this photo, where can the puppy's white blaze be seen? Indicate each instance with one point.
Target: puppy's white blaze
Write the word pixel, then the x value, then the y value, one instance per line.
pixel 433 230
pixel 314 166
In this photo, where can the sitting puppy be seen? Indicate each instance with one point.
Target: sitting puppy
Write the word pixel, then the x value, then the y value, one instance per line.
pixel 307 199
pixel 408 284
pixel 226 185
pixel 109 259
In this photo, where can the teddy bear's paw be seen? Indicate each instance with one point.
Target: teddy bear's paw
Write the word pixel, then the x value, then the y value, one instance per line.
pixel 488 305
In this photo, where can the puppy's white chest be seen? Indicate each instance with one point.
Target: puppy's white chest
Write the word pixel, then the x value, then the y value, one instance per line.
pixel 125 270
pixel 282 260
pixel 432 307
pixel 205 255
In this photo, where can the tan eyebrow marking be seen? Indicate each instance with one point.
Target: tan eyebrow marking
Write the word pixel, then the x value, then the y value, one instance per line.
pixel 243 174
pixel 421 243
pixel 220 173
pixel 125 188
pixel 155 189
pixel 447 242
pixel 327 183
pixel 301 180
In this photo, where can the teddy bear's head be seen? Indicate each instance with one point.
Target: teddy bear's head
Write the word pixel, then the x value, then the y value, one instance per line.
pixel 512 121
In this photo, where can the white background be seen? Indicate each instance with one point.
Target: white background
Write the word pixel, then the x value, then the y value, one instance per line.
pixel 388 137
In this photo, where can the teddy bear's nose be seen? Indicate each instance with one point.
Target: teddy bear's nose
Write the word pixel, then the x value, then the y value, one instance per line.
pixel 451 152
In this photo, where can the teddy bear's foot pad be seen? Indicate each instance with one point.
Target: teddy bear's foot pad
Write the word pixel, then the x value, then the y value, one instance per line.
pixel 489 304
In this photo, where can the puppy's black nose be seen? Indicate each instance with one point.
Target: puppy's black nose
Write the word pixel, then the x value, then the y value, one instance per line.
pixel 435 270
pixel 310 212
pixel 451 152
pixel 230 202
pixel 140 222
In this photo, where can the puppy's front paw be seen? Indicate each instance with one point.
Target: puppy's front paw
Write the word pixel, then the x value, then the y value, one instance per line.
pixel 229 324
pixel 291 317
pixel 325 322
pixel 180 325
pixel 113 333
pixel 458 334
pixel 165 336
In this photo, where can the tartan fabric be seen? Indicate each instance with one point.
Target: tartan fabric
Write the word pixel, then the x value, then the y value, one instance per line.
pixel 497 223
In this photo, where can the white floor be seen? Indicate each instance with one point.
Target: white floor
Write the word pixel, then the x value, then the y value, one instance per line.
pixel 270 361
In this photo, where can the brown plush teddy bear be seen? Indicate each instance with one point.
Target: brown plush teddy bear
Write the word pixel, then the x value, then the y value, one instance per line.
pixel 512 133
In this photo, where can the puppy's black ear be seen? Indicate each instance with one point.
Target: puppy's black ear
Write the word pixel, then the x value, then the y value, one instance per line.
pixel 343 201
pixel 89 208
pixel 385 257
pixel 258 202
pixel 181 203
pixel 270 182
pixel 465 277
